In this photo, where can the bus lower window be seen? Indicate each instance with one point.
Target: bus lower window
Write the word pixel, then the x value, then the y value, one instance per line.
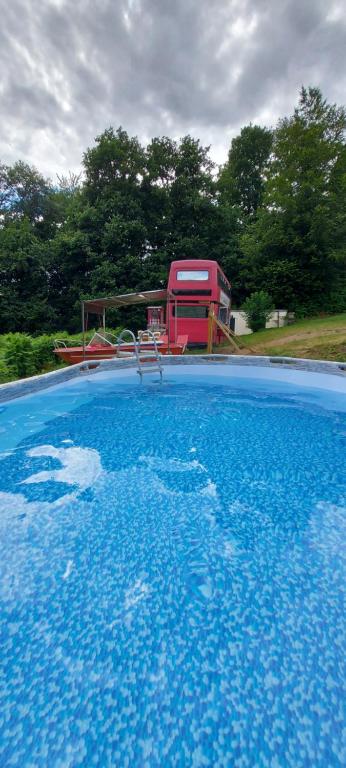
pixel 199 312
pixel 223 314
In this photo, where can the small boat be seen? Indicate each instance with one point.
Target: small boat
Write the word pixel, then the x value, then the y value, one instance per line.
pixel 102 347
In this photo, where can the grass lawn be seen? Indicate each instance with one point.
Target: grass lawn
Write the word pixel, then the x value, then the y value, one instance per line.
pixel 316 338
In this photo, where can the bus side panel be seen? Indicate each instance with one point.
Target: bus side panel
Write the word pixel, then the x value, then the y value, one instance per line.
pixel 196 329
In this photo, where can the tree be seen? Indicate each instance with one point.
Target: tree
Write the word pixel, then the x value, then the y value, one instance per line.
pixel 179 196
pixel 242 178
pixel 192 203
pixel 23 279
pixel 102 247
pixel 257 309
pixel 69 183
pixel 24 192
pixel 302 221
pixel 116 163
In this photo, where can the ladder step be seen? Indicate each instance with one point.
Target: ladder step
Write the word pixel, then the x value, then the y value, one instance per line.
pixel 148 356
pixel 148 369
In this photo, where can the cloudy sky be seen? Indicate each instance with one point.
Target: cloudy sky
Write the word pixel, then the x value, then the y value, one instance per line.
pixel 71 68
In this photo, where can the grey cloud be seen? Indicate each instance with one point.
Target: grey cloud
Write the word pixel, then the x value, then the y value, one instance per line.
pixel 68 70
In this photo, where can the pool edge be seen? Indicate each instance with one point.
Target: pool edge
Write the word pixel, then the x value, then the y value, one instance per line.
pixel 22 387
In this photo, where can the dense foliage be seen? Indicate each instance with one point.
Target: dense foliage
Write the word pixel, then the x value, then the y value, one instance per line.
pixel 257 309
pixel 274 216
pixel 23 355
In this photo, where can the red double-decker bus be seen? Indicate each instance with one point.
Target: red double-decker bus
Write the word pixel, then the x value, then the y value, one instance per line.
pixel 193 285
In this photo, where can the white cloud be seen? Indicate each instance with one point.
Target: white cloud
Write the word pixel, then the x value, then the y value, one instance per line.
pixel 69 70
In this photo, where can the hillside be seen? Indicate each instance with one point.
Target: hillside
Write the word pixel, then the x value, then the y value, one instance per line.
pixel 318 338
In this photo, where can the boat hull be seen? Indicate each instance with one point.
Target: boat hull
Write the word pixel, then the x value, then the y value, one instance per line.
pixel 73 355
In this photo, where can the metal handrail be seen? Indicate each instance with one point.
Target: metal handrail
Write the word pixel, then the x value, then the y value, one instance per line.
pixel 58 343
pixel 149 356
pixel 121 341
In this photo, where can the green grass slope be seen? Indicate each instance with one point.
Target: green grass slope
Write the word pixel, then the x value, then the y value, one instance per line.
pixel 316 338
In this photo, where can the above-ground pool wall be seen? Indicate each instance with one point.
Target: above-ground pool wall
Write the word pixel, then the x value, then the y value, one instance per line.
pixel 33 384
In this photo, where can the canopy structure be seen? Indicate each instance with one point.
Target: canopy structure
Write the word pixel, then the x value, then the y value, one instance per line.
pixel 98 306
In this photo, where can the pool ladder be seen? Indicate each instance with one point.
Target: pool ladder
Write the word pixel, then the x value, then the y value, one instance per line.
pixel 149 360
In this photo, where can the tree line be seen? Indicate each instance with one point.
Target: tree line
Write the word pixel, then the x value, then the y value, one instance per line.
pixel 273 216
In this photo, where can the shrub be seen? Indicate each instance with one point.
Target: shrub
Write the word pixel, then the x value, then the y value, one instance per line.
pixel 257 309
pixel 337 301
pixel 18 355
pixel 43 349
pixel 5 374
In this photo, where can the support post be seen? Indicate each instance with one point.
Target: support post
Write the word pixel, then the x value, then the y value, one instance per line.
pixel 168 322
pixel 83 329
pixel 210 329
pixel 175 321
pixel 227 333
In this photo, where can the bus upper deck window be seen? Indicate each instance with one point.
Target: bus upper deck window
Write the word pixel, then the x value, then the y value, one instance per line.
pixel 195 274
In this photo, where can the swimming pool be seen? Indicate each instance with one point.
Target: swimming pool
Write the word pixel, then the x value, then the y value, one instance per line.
pixel 172 564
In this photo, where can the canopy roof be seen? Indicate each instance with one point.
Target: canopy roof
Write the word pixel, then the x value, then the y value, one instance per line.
pixel 144 297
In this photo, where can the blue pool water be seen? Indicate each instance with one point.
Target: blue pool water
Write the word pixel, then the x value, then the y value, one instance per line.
pixel 172 562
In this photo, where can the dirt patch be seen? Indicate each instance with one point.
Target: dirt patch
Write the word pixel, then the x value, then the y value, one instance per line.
pixel 233 351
